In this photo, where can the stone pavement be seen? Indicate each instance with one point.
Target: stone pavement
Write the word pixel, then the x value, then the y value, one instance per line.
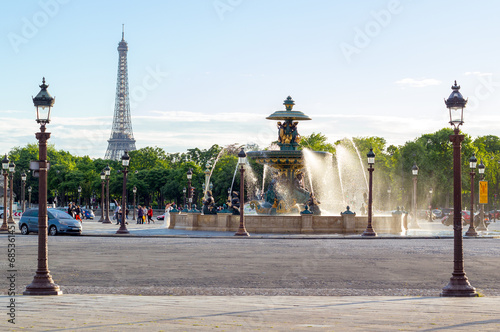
pixel 262 313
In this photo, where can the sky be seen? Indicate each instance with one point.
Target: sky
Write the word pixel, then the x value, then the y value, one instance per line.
pixel 204 72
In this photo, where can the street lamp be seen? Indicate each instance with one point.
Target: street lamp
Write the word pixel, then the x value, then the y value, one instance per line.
pixel 29 197
pixel 134 190
pixel 481 227
pixel 190 191
pixel 23 185
pixel 5 167
pixel 107 172
pixel 371 160
pixel 472 162
pixel 414 222
pixel 389 193
pixel 459 285
pixel 42 282
pixel 125 162
pixel 430 205
pixel 242 159
pixel 79 195
pixel 12 170
pixel 184 192
pixel 103 181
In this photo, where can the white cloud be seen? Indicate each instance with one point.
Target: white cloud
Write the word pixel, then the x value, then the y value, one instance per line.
pixel 478 73
pixel 414 83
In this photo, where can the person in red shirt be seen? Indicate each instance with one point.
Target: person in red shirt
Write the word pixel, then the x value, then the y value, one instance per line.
pixel 150 215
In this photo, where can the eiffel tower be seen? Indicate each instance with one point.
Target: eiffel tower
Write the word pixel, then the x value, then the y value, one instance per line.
pixel 122 138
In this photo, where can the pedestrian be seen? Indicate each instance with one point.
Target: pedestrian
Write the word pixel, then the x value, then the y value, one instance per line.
pixel 70 210
pixel 150 215
pixel 77 213
pixel 139 214
pixel 144 214
pixel 118 214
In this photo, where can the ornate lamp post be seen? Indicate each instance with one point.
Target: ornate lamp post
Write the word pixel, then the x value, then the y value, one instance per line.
pixel 430 205
pixel 23 185
pixel 5 167
pixel 12 170
pixel 42 283
pixel 107 172
pixel 79 195
pixel 135 192
pixel 190 190
pixel 389 193
pixel 103 181
pixel 29 197
pixel 125 162
pixel 242 159
pixel 414 222
pixel 184 205
pixel 472 162
pixel 481 226
pixel 369 229
pixel 459 284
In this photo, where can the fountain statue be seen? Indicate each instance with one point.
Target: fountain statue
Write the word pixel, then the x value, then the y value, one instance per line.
pixel 286 190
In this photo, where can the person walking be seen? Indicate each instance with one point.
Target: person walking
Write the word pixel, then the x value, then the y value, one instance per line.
pixel 70 210
pixel 77 213
pixel 150 215
pixel 139 214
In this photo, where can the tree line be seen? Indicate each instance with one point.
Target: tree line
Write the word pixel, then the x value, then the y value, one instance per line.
pixel 160 176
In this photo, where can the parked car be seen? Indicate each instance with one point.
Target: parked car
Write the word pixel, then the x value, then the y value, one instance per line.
pixel 58 222
pixel 494 214
pixel 446 211
pixel 161 217
pixel 437 213
pixel 87 214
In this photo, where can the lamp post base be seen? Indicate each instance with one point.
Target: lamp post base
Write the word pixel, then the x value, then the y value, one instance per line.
pixel 4 227
pixel 42 285
pixel 459 286
pixel 471 231
pixel 11 221
pixel 241 232
pixel 107 221
pixel 369 232
pixel 122 230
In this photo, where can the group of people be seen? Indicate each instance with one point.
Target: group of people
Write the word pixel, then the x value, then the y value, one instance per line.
pixel 75 211
pixel 144 213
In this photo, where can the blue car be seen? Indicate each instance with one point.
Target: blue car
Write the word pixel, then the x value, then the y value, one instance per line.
pixel 87 214
pixel 59 222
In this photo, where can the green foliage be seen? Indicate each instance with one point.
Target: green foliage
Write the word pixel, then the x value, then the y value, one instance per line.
pixel 160 176
pixel 316 142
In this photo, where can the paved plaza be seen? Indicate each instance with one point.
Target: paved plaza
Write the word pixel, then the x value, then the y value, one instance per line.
pixel 158 279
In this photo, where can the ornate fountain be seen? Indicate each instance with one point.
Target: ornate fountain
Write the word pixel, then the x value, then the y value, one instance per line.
pixel 287 192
